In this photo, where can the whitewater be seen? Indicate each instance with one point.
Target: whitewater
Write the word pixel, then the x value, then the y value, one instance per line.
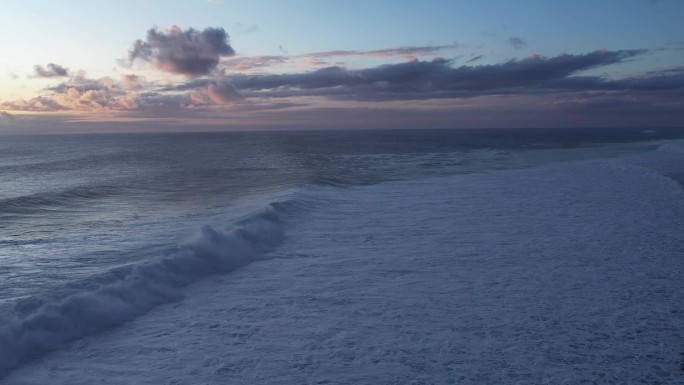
pixel 343 258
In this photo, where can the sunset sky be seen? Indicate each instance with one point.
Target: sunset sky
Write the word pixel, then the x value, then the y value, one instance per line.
pixel 199 65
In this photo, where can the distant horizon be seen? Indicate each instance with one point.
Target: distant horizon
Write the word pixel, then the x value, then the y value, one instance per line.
pixel 645 131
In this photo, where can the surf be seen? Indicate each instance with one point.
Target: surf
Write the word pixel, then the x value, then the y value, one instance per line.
pixel 145 285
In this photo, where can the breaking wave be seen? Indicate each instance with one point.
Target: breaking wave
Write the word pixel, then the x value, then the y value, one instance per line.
pixel 145 285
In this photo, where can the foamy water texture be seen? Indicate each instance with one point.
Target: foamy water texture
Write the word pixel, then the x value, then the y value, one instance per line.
pixel 563 271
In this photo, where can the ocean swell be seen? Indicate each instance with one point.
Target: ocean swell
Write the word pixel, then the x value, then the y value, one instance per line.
pixel 54 200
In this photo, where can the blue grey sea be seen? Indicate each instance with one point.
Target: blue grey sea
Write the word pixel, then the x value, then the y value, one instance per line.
pixel 343 257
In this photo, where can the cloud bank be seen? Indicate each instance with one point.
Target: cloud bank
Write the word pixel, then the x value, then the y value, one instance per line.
pixel 434 92
pixel 439 79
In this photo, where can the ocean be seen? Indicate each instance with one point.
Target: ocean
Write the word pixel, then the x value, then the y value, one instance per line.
pixel 343 257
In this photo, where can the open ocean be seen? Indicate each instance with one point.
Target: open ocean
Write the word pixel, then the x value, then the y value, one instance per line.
pixel 343 257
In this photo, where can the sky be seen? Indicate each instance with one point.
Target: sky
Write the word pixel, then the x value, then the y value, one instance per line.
pixel 213 65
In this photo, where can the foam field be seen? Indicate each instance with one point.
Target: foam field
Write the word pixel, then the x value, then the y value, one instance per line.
pixel 562 274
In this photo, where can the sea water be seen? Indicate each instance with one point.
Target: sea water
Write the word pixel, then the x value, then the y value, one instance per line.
pixel 465 256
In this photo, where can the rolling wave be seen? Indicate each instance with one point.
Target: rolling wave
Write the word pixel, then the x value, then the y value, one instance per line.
pixel 146 285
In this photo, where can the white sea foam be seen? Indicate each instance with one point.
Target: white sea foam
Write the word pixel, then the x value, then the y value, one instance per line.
pixel 562 274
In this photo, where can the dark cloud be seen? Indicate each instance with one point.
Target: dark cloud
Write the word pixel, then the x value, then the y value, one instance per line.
pixel 190 52
pixel 474 59
pixel 52 70
pixel 189 85
pixel 325 77
pixel 81 86
pixel 516 42
pixel 667 80
pixel 434 79
pixel 439 79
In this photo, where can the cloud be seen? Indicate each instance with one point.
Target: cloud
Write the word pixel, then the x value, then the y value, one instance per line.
pixel 408 51
pixel 222 91
pixel 79 93
pixel 434 79
pixel 133 82
pixel 187 52
pixel 439 79
pixel 320 59
pixel 542 86
pixel 37 104
pixel 248 63
pixel 668 81
pixel 516 42
pixel 474 59
pixel 52 71
pixel 129 93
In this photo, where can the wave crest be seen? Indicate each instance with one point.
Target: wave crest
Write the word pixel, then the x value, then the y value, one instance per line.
pixel 146 285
